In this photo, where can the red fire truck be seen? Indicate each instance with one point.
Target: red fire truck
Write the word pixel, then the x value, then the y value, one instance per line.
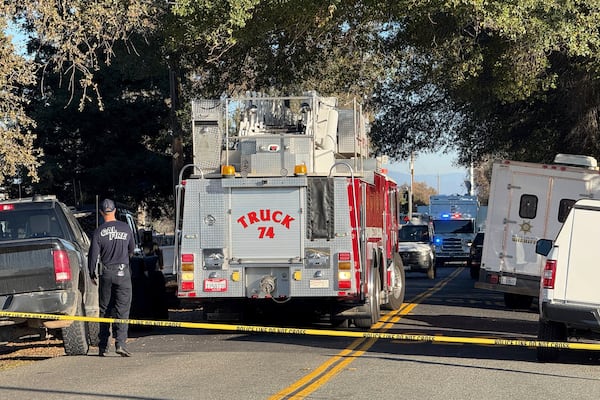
pixel 283 207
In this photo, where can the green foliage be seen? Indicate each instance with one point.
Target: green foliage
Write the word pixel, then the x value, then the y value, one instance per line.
pixel 120 151
pixel 17 151
pixel 500 78
pixel 487 77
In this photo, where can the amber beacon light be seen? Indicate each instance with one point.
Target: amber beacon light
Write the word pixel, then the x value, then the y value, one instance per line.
pixel 300 169
pixel 228 171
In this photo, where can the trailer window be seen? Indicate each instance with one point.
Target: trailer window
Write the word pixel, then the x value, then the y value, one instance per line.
pixel 564 207
pixel 528 206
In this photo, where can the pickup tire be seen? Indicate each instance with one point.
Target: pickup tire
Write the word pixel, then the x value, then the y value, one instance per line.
pixel 549 331
pixel 75 337
pixel 93 330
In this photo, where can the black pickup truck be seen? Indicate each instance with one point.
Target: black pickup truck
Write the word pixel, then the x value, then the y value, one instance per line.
pixel 43 269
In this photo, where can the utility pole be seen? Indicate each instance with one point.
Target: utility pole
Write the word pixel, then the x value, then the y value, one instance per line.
pixel 410 190
pixel 472 180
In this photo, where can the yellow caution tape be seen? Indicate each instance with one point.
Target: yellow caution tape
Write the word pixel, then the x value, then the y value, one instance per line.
pixel 312 332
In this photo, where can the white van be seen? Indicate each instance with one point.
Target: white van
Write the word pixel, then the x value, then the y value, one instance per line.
pixel 569 286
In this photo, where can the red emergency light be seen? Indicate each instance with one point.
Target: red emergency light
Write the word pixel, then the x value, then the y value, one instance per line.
pixel 187 258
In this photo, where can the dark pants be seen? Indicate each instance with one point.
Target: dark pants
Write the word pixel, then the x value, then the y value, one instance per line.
pixel 115 302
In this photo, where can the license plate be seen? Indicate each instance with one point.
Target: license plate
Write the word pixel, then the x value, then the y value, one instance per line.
pixel 215 285
pixel 319 284
pixel 508 280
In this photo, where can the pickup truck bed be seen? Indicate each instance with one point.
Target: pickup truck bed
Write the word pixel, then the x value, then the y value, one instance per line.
pixel 43 269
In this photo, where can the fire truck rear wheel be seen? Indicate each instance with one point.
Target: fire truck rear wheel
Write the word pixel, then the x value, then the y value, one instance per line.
pixel 340 323
pixel 374 303
pixel 396 293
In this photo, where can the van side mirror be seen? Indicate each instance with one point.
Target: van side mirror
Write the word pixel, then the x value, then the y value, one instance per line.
pixel 543 247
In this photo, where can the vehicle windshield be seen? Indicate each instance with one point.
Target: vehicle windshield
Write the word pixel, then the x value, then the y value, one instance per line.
pixel 453 226
pixel 414 233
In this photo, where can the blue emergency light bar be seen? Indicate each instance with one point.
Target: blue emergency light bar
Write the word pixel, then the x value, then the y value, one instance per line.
pixel 454 216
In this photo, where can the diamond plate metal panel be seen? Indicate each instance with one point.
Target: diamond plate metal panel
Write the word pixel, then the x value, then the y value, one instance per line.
pixel 204 216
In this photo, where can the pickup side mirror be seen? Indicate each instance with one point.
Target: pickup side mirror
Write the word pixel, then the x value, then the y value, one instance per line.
pixel 543 247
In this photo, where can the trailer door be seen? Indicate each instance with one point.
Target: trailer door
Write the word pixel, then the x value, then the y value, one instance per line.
pixel 538 207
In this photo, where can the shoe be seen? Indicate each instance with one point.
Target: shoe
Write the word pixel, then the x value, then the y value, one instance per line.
pixel 103 352
pixel 123 352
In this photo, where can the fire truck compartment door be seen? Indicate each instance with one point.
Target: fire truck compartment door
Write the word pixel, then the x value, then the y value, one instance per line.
pixel 266 223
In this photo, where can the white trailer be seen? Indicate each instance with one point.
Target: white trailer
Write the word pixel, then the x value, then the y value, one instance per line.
pixel 529 201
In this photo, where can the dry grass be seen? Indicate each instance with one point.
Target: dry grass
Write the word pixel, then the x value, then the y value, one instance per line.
pixel 16 354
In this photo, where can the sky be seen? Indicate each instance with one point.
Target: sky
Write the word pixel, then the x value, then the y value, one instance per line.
pixel 437 170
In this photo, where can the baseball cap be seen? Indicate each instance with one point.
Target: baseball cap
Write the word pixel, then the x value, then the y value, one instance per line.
pixel 107 205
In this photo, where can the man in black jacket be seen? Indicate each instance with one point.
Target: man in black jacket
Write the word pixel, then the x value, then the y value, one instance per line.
pixel 112 246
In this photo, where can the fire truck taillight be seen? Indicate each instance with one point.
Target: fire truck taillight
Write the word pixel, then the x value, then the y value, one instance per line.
pixel 344 280
pixel 187 272
pixel 187 286
pixel 344 271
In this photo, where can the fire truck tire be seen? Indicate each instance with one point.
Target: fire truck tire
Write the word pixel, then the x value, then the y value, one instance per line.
pixel 374 305
pixel 340 323
pixel 398 287
pixel 549 331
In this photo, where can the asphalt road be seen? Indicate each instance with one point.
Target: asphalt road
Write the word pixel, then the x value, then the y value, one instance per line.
pixel 177 363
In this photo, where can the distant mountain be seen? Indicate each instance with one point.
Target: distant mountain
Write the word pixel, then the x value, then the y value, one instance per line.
pixel 453 183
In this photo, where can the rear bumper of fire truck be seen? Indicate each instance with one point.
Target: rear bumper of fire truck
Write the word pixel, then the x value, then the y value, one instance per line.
pixel 228 294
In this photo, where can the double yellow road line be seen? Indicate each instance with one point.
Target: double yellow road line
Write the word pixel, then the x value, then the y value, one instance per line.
pixel 326 371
